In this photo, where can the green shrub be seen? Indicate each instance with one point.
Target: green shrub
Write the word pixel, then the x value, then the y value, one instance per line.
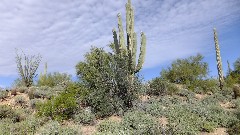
pixel 20 100
pixel 234 129
pixel 34 103
pixel 207 85
pixel 155 109
pixel 209 126
pixel 236 102
pixel 22 89
pixel 6 111
pixel 84 117
pixel 54 79
pixel 141 123
pixel 182 121
pixel 54 128
pixel 108 126
pixel 186 71
pixel 106 76
pixel 3 94
pixel 31 94
pixel 236 91
pixel 59 108
pixel 25 127
pixel 158 86
pixel 15 115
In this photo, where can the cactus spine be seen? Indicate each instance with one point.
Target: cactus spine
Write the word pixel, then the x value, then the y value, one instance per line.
pixel 130 48
pixel 218 58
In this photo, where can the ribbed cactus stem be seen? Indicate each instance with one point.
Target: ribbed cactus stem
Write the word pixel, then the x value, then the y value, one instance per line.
pixel 45 69
pixel 219 61
pixel 229 68
pixel 129 49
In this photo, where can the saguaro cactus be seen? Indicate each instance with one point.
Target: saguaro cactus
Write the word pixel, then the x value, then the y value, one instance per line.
pixel 130 48
pixel 218 58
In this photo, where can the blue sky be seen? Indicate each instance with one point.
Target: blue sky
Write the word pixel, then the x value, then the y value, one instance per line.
pixel 62 31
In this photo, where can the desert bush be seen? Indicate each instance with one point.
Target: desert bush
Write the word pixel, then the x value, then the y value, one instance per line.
pixel 234 75
pixel 16 115
pixel 234 129
pixel 31 94
pixel 186 71
pixel 3 94
pixel 236 102
pixel 43 92
pixel 155 109
pixel 20 100
pixel 6 111
pixel 159 86
pixel 34 102
pixel 141 123
pixel 186 93
pixel 106 76
pixel 182 121
pixel 236 91
pixel 54 128
pixel 54 79
pixel 22 89
pixel 60 107
pixel 108 126
pixel 14 92
pixel 25 127
pixel 84 117
pixel 207 85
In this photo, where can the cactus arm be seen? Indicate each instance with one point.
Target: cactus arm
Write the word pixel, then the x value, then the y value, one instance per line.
pixel 134 51
pixel 142 53
pixel 116 41
pixel 122 45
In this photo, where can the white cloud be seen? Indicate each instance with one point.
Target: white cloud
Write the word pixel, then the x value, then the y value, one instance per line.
pixel 62 31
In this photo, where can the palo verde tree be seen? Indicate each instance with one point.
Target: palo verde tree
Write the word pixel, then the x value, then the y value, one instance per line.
pixel 27 67
pixel 128 50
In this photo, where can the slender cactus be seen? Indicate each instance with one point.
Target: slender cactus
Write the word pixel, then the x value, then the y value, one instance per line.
pixel 218 58
pixel 229 68
pixel 129 49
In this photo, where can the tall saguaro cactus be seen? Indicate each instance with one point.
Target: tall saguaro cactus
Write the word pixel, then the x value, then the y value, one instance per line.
pixel 130 48
pixel 218 58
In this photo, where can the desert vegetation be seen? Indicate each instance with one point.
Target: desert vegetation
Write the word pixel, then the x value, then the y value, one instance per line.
pixel 110 98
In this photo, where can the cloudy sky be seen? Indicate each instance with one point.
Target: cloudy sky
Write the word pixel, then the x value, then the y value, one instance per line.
pixel 62 31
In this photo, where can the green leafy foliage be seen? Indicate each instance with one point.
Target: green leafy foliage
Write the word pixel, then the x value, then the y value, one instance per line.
pixel 54 79
pixel 106 76
pixel 84 117
pixel 25 127
pixel 60 107
pixel 184 71
pixel 233 77
pixel 141 123
pixel 159 86
pixel 108 126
